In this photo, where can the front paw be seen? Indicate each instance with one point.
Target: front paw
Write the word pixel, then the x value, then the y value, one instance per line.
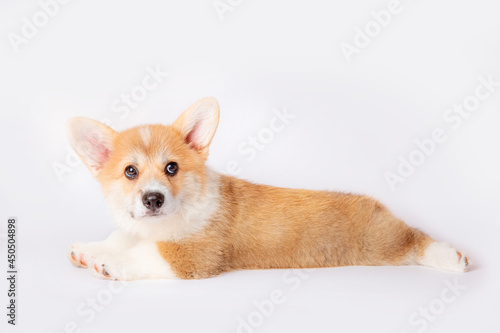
pixel 80 255
pixel 109 267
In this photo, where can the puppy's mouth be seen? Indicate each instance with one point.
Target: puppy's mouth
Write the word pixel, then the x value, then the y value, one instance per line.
pixel 152 214
pixel 147 214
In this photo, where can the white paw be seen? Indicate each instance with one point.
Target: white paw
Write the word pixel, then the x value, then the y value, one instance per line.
pixel 82 254
pixel 442 256
pixel 110 267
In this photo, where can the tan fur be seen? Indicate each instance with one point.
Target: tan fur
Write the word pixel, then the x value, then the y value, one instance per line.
pixel 261 227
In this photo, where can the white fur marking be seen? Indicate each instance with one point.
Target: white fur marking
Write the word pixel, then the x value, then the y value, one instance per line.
pixel 442 256
pixel 145 135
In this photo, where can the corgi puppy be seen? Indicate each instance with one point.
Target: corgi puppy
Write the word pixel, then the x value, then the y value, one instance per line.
pixel 176 218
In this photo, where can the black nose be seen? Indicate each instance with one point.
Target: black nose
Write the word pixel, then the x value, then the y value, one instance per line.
pixel 153 200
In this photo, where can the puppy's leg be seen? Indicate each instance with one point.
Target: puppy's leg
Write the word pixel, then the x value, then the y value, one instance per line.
pixel 425 251
pixel 391 242
pixel 142 261
pixel 82 254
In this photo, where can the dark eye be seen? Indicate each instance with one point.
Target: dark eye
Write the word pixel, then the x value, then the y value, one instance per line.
pixel 171 169
pixel 131 172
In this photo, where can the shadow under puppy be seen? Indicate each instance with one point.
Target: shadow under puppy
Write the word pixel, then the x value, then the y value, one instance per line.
pixel 176 218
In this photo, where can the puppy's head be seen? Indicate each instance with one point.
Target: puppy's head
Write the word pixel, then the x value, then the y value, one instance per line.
pixel 153 173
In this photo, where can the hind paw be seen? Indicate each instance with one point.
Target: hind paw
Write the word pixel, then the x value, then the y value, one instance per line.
pixel 442 256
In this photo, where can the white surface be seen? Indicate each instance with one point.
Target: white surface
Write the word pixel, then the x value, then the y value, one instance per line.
pixel 352 121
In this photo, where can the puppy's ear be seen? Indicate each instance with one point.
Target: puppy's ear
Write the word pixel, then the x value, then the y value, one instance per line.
pixel 92 141
pixel 197 125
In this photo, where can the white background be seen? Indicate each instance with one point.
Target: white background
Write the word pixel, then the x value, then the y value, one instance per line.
pixel 352 121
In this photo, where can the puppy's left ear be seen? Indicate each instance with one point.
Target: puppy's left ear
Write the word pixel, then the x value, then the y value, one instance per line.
pixel 198 124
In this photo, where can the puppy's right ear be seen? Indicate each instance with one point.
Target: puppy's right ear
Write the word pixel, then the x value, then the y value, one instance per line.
pixel 92 141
